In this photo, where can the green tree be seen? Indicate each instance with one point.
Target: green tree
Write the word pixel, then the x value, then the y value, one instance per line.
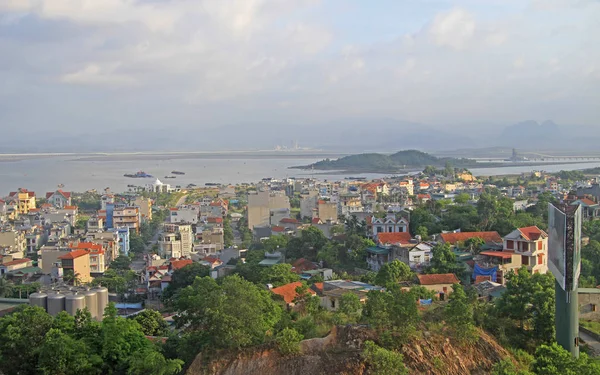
pixel 474 244
pixel 421 292
pixel 234 314
pixel 6 287
pixel 507 367
pixel 81 222
pixel 151 362
pixel 443 260
pixel 275 243
pixel 228 236
pixel 288 341
pixel 422 232
pixel 279 274
pixel 393 272
pixel 152 323
pixel 554 360
pixel 350 306
pixel 529 300
pixel 184 277
pixel 121 262
pixel 459 314
pixel 383 361
pixel 462 198
pixel 21 335
pixel 136 243
pixel 62 354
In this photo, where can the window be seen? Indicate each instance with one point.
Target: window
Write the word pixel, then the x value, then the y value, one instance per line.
pixel 417 259
pixel 402 229
pixel 379 229
pixel 445 289
pixel 540 259
pixel 427 257
pixel 390 229
pixel 540 245
pixel 510 244
pixel 333 304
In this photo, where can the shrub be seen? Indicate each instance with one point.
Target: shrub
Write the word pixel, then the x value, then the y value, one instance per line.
pixel 288 341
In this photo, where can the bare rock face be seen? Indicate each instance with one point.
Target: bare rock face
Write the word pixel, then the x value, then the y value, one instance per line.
pixel 340 353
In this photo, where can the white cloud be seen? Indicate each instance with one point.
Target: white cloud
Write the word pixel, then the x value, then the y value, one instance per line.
pixel 454 29
pixel 96 74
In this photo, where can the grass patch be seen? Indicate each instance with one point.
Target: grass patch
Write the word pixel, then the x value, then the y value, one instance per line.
pixel 592 326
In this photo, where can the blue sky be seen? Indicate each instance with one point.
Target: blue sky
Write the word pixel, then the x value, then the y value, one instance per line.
pixel 76 65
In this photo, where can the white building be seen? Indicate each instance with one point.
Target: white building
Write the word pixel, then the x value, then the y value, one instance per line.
pixel 158 187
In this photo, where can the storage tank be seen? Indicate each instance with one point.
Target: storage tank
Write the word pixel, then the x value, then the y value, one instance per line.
pixel 74 302
pixel 39 299
pixel 102 300
pixel 56 303
pixel 91 302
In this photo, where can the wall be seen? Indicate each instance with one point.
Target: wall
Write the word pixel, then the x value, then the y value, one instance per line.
pixel 588 298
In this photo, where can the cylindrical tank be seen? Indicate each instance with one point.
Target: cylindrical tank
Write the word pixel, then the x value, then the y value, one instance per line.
pixel 91 302
pixel 102 300
pixel 39 299
pixel 74 302
pixel 56 303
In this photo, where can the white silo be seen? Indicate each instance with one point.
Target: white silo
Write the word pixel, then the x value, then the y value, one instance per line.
pixel 91 302
pixel 102 300
pixel 74 302
pixel 56 303
pixel 39 299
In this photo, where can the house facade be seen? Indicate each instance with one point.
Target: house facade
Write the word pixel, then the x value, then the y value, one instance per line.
pixel 389 224
pixel 531 243
pixel 59 198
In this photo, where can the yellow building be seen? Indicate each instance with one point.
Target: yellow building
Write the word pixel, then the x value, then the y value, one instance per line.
pixel 145 205
pixel 465 176
pixel 25 200
pixel 77 261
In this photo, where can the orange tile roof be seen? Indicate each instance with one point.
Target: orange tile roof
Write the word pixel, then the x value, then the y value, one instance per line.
pixel 532 233
pixel 214 220
pixel 588 202
pixel 88 246
pixel 277 228
pixel 480 279
pixel 498 254
pixel 488 237
pixel 288 291
pixel 440 278
pixel 16 261
pixel 287 220
pixel 316 220
pixel 74 254
pixel 71 207
pixel 401 238
pixel 177 264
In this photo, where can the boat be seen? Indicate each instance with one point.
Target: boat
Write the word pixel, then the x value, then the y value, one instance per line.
pixel 191 186
pixel 170 177
pixel 178 172
pixel 356 178
pixel 212 184
pixel 139 174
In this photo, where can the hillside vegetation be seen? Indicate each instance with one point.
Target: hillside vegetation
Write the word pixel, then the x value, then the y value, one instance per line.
pixel 387 163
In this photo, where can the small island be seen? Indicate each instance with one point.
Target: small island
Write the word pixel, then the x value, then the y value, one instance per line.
pixel 382 163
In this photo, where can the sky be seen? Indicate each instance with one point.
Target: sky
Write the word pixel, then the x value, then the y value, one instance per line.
pixel 108 65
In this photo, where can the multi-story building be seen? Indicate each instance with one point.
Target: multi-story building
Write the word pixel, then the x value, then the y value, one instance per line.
pixel 184 235
pixel 77 261
pixel 350 204
pixel 59 198
pixel 13 242
pixel 261 203
pixel 170 245
pixel 127 217
pixel 123 239
pixel 531 243
pixel 327 211
pixel 388 224
pixel 97 256
pixel 308 203
pixel 184 214
pixel 13 265
pixel 34 238
pixel 49 256
pixel 24 199
pixel 145 206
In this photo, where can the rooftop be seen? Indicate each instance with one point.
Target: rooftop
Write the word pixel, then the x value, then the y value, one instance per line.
pixel 288 291
pixel 454 238
pixel 440 278
pixel 74 254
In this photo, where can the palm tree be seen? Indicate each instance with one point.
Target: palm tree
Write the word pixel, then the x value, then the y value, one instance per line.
pixel 6 287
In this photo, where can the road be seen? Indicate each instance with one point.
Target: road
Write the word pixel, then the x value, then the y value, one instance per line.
pixel 237 237
pixel 591 342
pixel 181 200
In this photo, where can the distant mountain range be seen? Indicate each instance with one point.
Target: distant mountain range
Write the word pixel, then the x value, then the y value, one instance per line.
pixel 345 135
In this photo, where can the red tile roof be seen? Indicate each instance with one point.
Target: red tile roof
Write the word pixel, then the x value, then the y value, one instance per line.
pixel 488 237
pixel 277 228
pixel 480 279
pixel 70 207
pixel 16 261
pixel 288 291
pixel 423 196
pixel 316 220
pixel 498 254
pixel 212 260
pixel 401 238
pixel 436 279
pixel 166 279
pixel 588 202
pixel 63 193
pixel 214 220
pixel 532 233
pixel 74 254
pixel 287 220
pixel 177 264
pixel 302 265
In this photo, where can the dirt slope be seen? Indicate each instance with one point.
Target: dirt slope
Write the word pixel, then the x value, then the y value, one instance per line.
pixel 339 353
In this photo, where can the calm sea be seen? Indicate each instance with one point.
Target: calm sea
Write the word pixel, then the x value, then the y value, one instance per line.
pixel 78 173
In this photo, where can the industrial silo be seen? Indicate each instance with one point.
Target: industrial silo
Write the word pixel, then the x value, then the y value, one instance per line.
pixel 56 303
pixel 91 302
pixel 74 302
pixel 102 300
pixel 39 299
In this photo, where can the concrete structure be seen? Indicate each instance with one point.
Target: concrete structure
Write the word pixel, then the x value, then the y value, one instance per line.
pixel 158 187
pixel 187 214
pixel 184 235
pixel 505 261
pixel 308 203
pixel 24 199
pixel 123 239
pixel 589 304
pixel 261 203
pixel 13 242
pixel 49 256
pixel 327 211
pixel 14 265
pixel 170 245
pixel 532 244
pixel 389 224
pixel 59 198
pixel 145 206
pixel 278 214
pixel 127 217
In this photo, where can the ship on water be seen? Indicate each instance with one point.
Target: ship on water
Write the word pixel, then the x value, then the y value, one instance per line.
pixel 139 174
pixel 178 172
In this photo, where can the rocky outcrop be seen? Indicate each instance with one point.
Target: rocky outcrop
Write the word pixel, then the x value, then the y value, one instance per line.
pixel 340 353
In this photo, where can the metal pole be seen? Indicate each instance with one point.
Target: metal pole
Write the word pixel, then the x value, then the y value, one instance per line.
pixel 567 319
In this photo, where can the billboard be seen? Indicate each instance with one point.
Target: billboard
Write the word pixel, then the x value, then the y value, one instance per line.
pixel 557 233
pixel 576 261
